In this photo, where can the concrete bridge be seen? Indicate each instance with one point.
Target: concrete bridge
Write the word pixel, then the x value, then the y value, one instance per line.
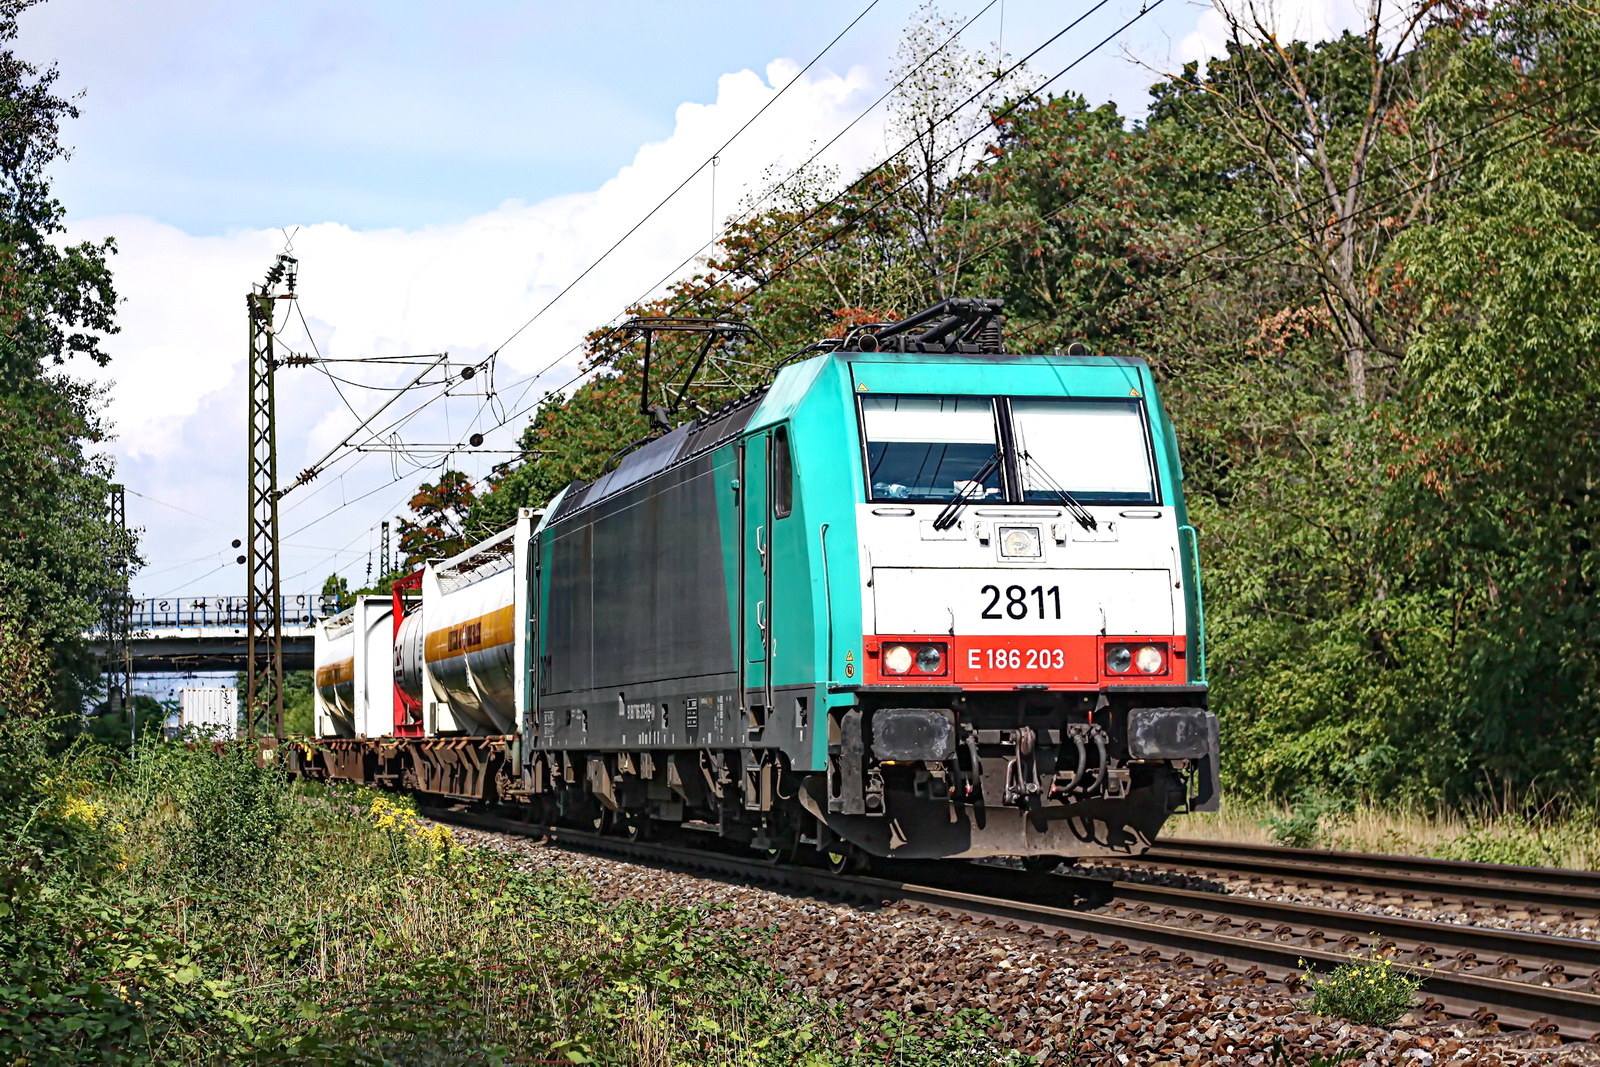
pixel 208 633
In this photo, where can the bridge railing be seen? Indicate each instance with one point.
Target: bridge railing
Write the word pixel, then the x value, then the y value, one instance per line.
pixel 154 613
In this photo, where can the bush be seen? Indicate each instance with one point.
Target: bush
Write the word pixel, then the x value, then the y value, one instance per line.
pixel 218 912
pixel 1310 822
pixel 1369 990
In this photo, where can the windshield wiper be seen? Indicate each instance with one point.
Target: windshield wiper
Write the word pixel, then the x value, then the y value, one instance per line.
pixel 1079 512
pixel 952 511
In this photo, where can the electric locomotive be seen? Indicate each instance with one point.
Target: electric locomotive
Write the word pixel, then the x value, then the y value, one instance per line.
pixel 918 598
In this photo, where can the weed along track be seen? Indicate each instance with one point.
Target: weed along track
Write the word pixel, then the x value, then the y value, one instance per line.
pixel 1154 974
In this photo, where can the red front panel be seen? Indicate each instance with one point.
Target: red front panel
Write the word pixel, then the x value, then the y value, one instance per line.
pixel 998 661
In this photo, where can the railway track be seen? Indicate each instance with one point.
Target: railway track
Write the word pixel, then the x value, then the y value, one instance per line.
pixel 1516 892
pixel 1490 975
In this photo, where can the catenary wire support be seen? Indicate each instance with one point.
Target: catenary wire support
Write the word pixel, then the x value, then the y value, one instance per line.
pixel 117 610
pixel 385 565
pixel 264 632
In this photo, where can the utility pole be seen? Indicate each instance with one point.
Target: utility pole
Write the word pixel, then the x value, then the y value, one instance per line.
pixel 264 640
pixel 383 553
pixel 117 611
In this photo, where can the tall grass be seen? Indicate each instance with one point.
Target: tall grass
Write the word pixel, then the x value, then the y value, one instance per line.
pixel 1493 833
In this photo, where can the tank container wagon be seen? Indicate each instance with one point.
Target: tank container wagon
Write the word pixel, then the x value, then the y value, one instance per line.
pixel 917 598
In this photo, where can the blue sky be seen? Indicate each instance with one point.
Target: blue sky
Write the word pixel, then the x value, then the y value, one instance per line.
pixel 445 170
pixel 213 117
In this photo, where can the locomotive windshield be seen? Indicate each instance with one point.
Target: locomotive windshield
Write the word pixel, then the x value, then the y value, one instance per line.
pixel 1095 449
pixel 930 448
pixel 926 448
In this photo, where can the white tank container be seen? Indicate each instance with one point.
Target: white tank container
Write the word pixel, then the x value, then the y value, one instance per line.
pixel 335 676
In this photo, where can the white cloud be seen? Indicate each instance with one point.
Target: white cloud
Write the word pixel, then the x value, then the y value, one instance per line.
pixel 178 404
pixel 1288 20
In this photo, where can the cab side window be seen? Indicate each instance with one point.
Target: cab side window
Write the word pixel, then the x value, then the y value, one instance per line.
pixel 782 474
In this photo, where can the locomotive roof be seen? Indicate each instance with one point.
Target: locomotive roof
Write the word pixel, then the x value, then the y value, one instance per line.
pixel 710 431
pixel 685 442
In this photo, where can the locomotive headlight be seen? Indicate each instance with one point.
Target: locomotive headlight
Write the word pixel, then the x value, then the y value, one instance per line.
pixel 1149 659
pixel 1019 542
pixel 930 659
pixel 1118 658
pixel 896 659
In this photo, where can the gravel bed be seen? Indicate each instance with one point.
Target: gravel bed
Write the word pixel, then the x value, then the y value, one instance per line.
pixel 1346 898
pixel 1061 1002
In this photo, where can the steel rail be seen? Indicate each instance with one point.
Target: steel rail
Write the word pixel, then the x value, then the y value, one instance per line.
pixel 1510 947
pixel 1467 870
pixel 1521 1004
pixel 1438 880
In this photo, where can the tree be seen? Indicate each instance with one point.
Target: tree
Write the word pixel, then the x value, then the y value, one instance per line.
pixel 337 591
pixel 1495 465
pixel 941 112
pixel 441 514
pixel 58 554
pixel 1328 133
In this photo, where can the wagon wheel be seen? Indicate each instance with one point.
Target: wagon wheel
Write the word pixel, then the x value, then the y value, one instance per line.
pixel 1040 864
pixel 542 809
pixel 785 849
pixel 634 827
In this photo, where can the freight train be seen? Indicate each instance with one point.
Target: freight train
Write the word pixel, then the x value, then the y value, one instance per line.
pixel 917 597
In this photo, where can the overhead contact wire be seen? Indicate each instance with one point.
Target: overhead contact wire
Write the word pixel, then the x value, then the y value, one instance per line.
pixel 695 173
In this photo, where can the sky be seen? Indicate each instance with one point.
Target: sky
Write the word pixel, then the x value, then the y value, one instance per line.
pixel 442 173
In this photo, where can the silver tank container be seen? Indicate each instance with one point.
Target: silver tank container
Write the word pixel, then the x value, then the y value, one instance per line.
pixel 409 673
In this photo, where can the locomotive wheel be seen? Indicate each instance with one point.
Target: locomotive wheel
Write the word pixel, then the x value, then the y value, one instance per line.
pixel 632 827
pixel 843 858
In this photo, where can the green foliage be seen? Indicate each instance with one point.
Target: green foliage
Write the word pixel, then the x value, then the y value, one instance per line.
pixel 439 527
pixel 58 554
pixel 90 969
pixel 223 811
pixel 299 699
pixel 1525 847
pixel 1369 990
pixel 187 905
pixel 299 702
